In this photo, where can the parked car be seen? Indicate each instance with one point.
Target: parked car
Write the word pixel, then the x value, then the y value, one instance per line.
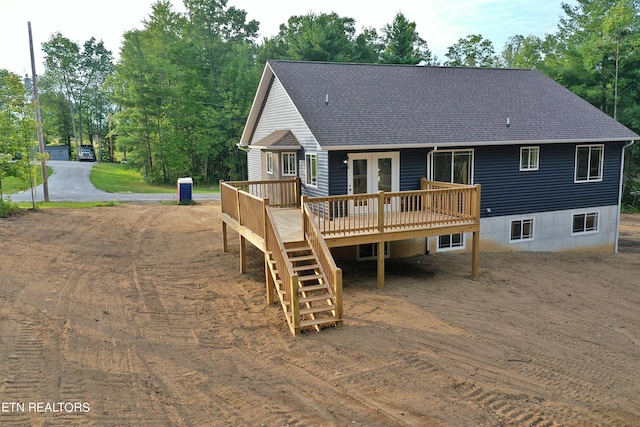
pixel 87 153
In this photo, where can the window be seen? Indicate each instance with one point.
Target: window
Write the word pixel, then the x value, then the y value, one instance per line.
pixel 451 241
pixel 455 166
pixel 589 163
pixel 529 158
pixel 312 169
pixel 585 223
pixel 288 164
pixel 521 229
pixel 269 162
pixel 452 166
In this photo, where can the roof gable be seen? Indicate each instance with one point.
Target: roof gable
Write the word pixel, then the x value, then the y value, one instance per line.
pixel 279 140
pixel 370 105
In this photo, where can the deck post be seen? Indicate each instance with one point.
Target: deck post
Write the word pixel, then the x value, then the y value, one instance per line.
pixel 224 237
pixel 475 256
pixel 297 190
pixel 381 243
pixel 337 280
pixel 268 280
pixel 303 200
pixel 295 305
pixel 243 254
pixel 380 265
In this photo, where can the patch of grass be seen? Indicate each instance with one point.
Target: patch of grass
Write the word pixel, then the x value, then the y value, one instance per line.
pixel 11 185
pixel 118 178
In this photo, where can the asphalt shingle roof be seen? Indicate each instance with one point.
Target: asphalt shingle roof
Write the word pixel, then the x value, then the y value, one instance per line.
pixel 415 105
pixel 279 140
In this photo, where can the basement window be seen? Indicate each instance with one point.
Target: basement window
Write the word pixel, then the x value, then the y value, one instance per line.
pixel 521 229
pixel 585 223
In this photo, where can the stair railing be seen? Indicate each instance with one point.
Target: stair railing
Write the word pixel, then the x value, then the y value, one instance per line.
pixel 275 245
pixel 313 236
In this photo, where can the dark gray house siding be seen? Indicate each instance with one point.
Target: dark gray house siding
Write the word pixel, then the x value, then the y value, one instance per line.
pixel 337 173
pixel 508 191
pixel 413 167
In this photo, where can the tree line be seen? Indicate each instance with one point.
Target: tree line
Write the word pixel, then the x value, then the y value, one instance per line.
pixel 176 102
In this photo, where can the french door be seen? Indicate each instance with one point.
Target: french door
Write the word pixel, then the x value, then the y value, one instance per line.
pixel 370 173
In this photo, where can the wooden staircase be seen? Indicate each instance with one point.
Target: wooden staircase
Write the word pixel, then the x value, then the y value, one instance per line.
pixel 316 301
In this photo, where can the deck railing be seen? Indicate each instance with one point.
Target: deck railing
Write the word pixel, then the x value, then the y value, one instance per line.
pixel 316 241
pixel 284 193
pixel 245 201
pixel 440 205
pixel 275 245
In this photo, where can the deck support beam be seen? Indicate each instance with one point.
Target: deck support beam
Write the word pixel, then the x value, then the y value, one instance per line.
pixel 475 254
pixel 224 237
pixel 380 265
pixel 243 254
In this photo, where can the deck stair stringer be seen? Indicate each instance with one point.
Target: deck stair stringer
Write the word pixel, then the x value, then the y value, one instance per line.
pixel 317 306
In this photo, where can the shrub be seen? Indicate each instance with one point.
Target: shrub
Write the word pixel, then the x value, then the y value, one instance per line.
pixel 7 207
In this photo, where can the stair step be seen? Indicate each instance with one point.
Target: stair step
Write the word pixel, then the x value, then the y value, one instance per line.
pixel 313 298
pixel 313 287
pixel 306 267
pixel 296 246
pixel 318 309
pixel 302 258
pixel 317 322
pixel 309 277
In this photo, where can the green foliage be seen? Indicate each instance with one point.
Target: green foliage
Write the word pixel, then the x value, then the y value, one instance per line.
pixel 7 208
pixel 523 52
pixel 17 128
pixel 185 84
pixel 403 44
pixel 311 37
pixel 472 51
pixel 74 96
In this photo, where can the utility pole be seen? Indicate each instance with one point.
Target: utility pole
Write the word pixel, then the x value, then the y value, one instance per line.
pixel 45 183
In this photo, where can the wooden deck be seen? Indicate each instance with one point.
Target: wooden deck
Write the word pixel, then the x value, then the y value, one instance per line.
pixel 272 215
pixel 289 222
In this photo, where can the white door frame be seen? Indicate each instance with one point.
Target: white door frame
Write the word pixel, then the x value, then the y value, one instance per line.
pixel 372 170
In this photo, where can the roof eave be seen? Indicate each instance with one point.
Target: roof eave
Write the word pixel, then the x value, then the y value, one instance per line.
pixel 473 144
pixel 256 106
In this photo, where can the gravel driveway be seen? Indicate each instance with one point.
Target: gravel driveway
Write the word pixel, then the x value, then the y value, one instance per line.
pixel 70 183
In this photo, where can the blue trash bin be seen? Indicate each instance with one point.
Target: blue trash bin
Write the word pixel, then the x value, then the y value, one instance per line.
pixel 185 190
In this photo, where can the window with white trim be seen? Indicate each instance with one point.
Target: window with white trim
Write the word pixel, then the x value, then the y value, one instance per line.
pixel 529 158
pixel 585 223
pixel 451 242
pixel 589 163
pixel 269 162
pixel 288 164
pixel 521 229
pixel 311 167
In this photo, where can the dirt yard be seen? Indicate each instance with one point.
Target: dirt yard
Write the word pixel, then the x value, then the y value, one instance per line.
pixel 133 316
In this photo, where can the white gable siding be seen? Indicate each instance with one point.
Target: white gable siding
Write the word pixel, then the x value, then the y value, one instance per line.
pixel 254 165
pixel 279 113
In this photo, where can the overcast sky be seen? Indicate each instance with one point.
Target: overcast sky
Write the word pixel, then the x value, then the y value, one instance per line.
pixel 440 22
